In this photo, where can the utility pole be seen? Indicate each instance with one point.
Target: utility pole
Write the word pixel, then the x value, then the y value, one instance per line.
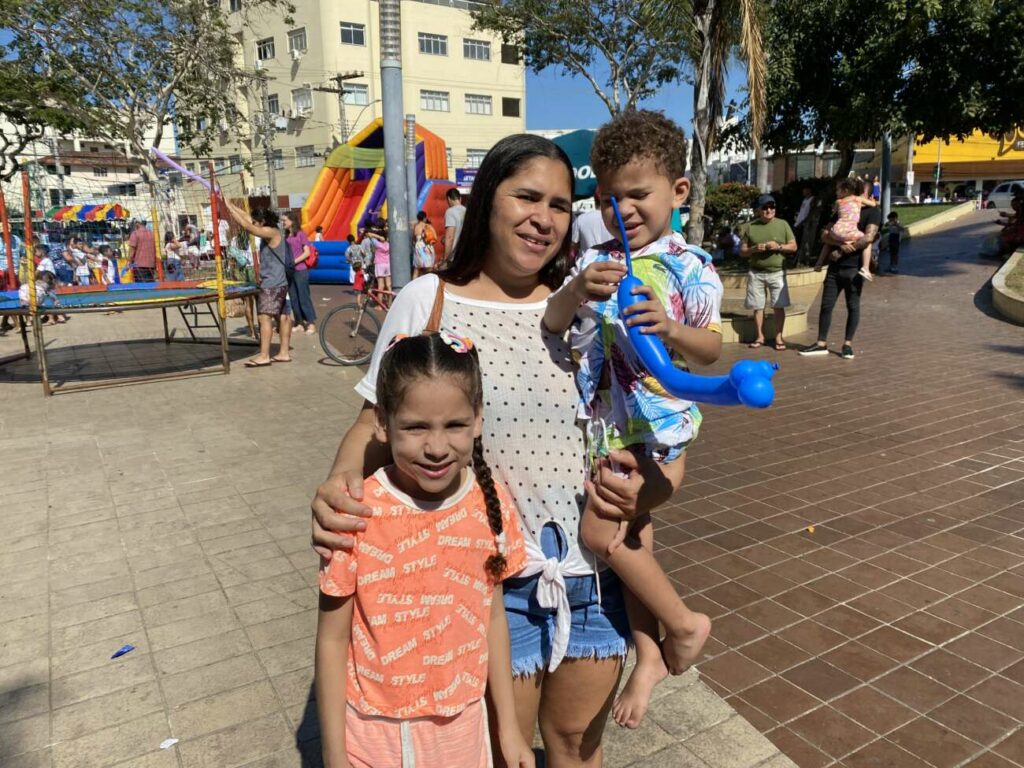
pixel 394 162
pixel 268 128
pixel 339 88
pixel 886 176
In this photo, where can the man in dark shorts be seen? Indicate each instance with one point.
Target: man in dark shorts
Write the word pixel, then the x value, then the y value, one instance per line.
pixel 843 267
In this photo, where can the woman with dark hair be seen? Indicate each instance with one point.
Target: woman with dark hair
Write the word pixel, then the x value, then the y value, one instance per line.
pixel 424 238
pixel 567 645
pixel 302 300
pixel 274 281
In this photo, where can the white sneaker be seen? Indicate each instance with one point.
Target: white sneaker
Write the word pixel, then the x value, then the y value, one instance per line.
pixel 866 274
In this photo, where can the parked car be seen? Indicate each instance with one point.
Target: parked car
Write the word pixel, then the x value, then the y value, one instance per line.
pixel 1000 196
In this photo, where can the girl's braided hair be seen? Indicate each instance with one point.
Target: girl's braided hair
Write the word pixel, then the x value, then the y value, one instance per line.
pixel 431 356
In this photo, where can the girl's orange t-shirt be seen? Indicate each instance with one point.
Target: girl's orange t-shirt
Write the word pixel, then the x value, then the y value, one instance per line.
pixel 422 599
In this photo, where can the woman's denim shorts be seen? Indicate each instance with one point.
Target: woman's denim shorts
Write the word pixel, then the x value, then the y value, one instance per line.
pixel 598 630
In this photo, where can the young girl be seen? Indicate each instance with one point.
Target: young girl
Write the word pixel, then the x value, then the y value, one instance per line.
pixel 382 261
pixel 423 248
pixel 412 626
pixel 849 201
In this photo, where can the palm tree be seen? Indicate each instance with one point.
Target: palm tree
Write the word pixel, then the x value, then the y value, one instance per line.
pixel 719 30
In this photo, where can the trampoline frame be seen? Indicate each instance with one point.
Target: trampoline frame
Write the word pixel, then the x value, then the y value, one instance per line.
pixel 208 299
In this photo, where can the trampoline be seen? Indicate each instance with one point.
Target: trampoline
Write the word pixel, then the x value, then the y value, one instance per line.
pixel 195 301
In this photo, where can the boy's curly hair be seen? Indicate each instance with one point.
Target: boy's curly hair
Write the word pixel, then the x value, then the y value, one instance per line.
pixel 638 134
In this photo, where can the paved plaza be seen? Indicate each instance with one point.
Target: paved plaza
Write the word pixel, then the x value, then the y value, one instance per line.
pixel 860 547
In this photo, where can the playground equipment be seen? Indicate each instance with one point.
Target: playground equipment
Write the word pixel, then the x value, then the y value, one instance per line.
pixel 748 383
pixel 351 192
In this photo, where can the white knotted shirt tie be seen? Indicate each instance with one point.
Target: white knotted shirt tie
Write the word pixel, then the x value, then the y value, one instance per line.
pixel 551 591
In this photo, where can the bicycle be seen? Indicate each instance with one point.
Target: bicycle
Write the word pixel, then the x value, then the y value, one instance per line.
pixel 348 333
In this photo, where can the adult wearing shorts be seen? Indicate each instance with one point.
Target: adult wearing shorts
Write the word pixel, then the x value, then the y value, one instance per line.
pixel 765 242
pixel 270 304
pixel 567 650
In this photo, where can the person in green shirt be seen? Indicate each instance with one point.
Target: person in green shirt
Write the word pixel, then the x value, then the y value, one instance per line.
pixel 765 242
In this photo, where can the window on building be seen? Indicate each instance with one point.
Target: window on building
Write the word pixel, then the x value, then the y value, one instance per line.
pixel 297 40
pixel 435 45
pixel 474 157
pixel 356 94
pixel 804 166
pixel 278 159
pixel 434 101
pixel 55 196
pixel 353 34
pixel 509 54
pixel 509 107
pixel 52 170
pixel 235 163
pixel 234 6
pixel 99 171
pixel 302 100
pixel 265 49
pixel 480 50
pixel 305 157
pixel 190 167
pixel 478 104
pixel 273 104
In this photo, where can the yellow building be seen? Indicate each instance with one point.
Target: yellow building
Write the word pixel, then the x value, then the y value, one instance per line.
pixel 463 85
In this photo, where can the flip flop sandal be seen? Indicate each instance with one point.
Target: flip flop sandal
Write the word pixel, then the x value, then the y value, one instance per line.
pixel 251 364
pixel 781 347
pixel 279 360
pixel 755 345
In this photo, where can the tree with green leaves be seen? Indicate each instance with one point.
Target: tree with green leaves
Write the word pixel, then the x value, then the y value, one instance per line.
pixel 124 70
pixel 618 46
pixel 641 45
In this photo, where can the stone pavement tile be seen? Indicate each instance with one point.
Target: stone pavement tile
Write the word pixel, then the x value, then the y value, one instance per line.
pixel 85 656
pixel 831 732
pixel 193 628
pixel 683 716
pixel 26 735
pixel 38 759
pixel 780 700
pixel 68 575
pixel 282 630
pixel 275 607
pixel 197 565
pixel 224 709
pixel 112 745
pixel 933 743
pixel 295 688
pixel 288 656
pixel 22 696
pixel 239 744
pixel 96 609
pixel 161 758
pixel 101 712
pixel 199 653
pixel 733 743
pixel 190 586
pixel 248 592
pixel 183 608
pixel 115 630
pixel 211 679
pixel 676 756
pixel 130 670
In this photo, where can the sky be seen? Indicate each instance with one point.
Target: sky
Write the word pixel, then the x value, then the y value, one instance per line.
pixel 556 99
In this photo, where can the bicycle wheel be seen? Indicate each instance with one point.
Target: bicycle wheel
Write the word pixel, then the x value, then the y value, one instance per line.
pixel 349 333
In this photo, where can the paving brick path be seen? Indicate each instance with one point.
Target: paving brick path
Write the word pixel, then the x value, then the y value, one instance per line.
pixel 174 516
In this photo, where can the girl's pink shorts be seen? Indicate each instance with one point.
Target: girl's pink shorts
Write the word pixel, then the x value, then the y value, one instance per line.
pixel 422 742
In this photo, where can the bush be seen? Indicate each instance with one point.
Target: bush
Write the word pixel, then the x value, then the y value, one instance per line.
pixel 724 203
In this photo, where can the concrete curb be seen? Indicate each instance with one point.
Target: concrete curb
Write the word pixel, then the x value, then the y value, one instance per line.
pixel 933 222
pixel 1007 301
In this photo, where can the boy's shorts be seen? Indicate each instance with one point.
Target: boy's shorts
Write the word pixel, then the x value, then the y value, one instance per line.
pixel 597 630
pixel 420 742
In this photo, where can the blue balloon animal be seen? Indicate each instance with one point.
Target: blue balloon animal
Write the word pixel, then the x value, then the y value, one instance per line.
pixel 748 383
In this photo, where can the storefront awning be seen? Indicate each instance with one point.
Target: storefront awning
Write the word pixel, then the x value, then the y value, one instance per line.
pixel 103 212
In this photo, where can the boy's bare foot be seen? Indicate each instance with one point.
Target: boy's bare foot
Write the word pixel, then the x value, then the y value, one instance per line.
pixel 631 704
pixel 682 650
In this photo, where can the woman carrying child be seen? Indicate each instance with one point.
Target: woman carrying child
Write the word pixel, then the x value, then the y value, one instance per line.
pixel 567 648
pixel 849 201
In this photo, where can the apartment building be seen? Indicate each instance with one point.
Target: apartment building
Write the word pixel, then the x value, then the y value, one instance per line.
pixel 464 85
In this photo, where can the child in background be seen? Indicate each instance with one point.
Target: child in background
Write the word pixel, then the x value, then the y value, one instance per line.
pixel 849 201
pixel 412 626
pixel 895 231
pixel 640 159
pixel 108 266
pixel 46 288
pixel 382 261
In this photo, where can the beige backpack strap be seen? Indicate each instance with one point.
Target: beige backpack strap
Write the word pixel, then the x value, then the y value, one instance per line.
pixel 434 321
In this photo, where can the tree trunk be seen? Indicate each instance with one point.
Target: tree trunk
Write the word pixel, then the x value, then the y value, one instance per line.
pixel 703 124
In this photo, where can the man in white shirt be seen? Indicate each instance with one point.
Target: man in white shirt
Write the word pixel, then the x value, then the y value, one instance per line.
pixel 453 219
pixel 803 213
pixel 588 230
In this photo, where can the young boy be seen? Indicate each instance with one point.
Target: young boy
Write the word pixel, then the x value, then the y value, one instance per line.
pixel 640 158
pixel 896 230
